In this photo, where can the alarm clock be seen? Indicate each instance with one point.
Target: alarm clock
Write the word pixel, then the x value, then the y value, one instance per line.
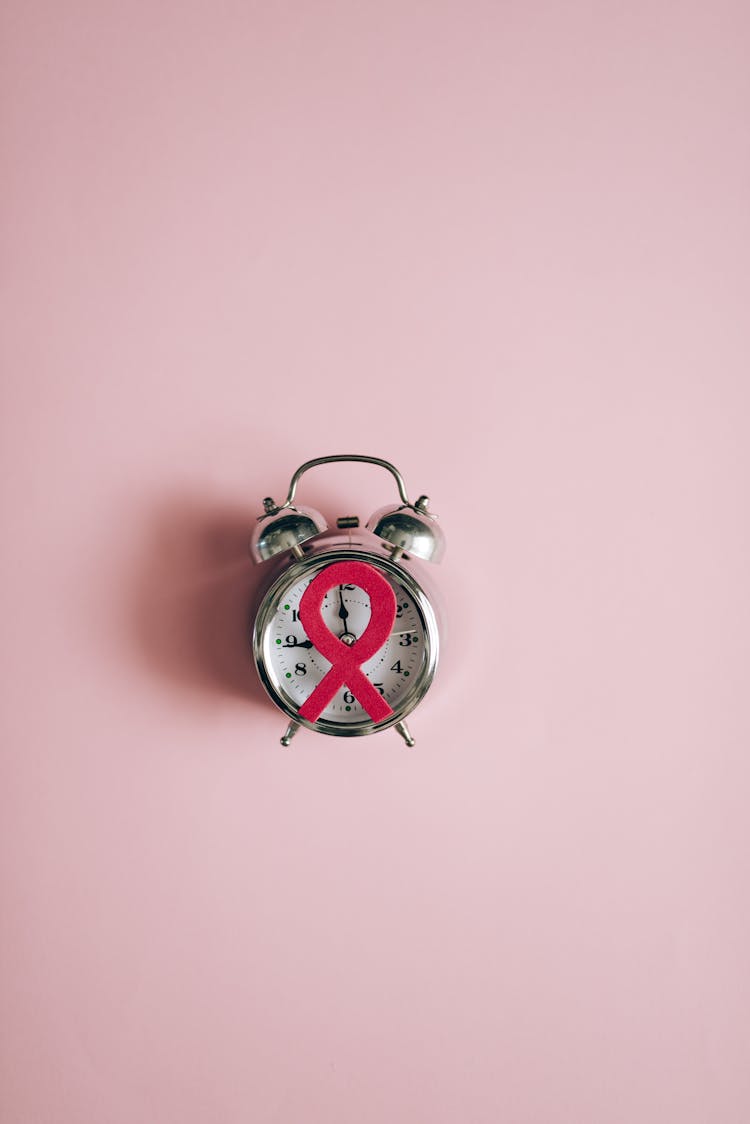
pixel 346 636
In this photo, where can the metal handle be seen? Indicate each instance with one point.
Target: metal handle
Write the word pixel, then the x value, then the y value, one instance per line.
pixel 353 457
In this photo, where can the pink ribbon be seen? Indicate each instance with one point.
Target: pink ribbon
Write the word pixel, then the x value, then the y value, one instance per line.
pixel 347 660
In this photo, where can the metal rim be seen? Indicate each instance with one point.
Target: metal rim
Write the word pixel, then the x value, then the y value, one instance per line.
pixel 310 566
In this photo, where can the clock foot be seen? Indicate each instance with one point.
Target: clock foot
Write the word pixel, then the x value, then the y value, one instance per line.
pixel 403 730
pixel 289 733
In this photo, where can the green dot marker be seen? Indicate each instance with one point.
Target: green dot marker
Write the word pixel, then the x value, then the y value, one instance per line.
pixel 289 675
pixel 278 641
pixel 348 708
pixel 406 673
pixel 286 606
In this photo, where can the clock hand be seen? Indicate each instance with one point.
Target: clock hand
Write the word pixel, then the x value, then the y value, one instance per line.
pixel 299 644
pixel 347 636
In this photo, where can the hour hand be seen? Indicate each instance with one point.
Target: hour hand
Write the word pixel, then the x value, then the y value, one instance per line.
pixel 298 643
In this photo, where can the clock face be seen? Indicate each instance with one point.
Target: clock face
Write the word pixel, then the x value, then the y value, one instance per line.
pixel 292 667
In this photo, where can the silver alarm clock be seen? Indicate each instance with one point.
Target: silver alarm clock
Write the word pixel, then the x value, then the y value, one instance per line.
pixel 346 636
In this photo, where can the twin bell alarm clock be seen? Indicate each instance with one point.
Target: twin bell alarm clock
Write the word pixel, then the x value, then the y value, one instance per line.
pixel 346 636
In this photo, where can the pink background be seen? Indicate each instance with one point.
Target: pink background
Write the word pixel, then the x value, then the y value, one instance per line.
pixel 505 245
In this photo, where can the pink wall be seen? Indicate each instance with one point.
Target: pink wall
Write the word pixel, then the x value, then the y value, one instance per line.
pixel 506 245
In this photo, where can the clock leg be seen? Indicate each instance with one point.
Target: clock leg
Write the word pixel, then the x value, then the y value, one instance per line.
pixel 403 730
pixel 289 733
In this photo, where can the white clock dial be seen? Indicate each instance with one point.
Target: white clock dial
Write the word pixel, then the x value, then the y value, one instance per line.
pixel 297 667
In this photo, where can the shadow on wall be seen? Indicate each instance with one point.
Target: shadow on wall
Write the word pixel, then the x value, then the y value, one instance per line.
pixel 197 592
